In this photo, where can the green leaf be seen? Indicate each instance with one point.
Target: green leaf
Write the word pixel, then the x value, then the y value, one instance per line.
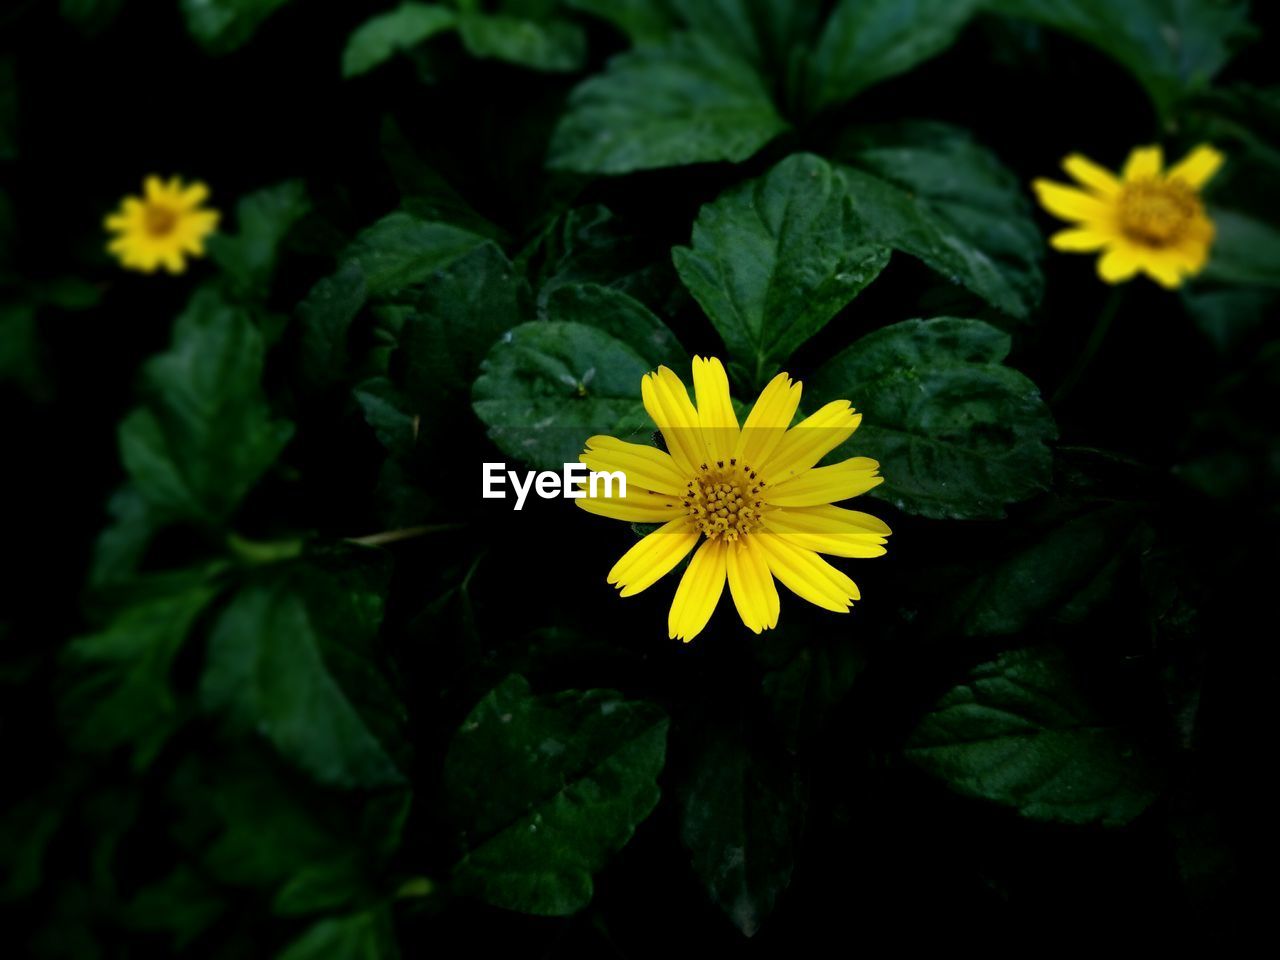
pixel 28 826
pixel 1230 317
pixel 182 904
pixel 379 38
pixel 1021 732
pixel 957 434
pixel 122 695
pixel 401 250
pixel 866 41
pixel 620 316
pixel 804 691
pixel 928 190
pixel 221 26
pixel 386 411
pixel 545 387
pixel 443 293
pixel 294 661
pixel 324 325
pixel 641 20
pixel 545 789
pixel 450 323
pixel 1058 574
pixel 249 826
pixel 66 293
pixel 1245 250
pixel 775 259
pixel 263 219
pixel 589 245
pixel 424 191
pixel 688 100
pixel 741 820
pixel 205 435
pixel 368 935
pixel 555 46
pixel 20 360
pixel 1173 47
pixel 119 549
pixel 774 35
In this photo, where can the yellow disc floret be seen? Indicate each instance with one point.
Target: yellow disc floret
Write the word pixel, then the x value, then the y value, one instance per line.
pixel 1157 212
pixel 725 500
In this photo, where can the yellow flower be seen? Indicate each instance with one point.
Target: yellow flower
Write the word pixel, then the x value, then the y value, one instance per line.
pixel 1147 219
pixel 161 227
pixel 752 496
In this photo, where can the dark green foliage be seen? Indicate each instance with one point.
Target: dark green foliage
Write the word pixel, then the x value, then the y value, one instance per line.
pixel 773 261
pixel 544 789
pixel 1018 732
pixel 548 386
pixel 1173 47
pixel 279 682
pixel 742 819
pixel 640 114
pixel 957 433
pixel 928 190
pixel 205 434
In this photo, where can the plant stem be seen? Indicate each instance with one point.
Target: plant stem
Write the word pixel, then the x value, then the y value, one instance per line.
pixel 1100 328
pixel 259 551
pixel 404 533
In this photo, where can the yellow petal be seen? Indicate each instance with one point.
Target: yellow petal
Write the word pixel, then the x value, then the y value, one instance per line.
pixel 1069 203
pixel 654 557
pixel 1118 264
pixel 1079 240
pixel 1143 163
pixel 1192 252
pixel 1197 167
pixel 715 408
pixel 810 440
pixel 638 506
pixel 1166 267
pixel 667 402
pixel 839 481
pixel 1095 177
pixel 768 420
pixel 751 585
pixel 204 221
pixel 828 529
pixel 193 195
pixel 699 592
pixel 807 575
pixel 646 467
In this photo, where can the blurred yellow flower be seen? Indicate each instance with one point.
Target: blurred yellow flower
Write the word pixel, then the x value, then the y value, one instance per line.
pixel 751 496
pixel 162 227
pixel 1148 219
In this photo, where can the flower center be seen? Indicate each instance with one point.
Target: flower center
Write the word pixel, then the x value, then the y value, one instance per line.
pixel 160 220
pixel 1157 212
pixel 724 499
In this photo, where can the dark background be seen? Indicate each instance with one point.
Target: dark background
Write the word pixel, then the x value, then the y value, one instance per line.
pixel 890 855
